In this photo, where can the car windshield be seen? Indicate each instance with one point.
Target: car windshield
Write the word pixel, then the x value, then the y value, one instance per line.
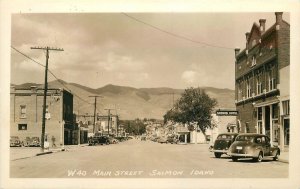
pixel 244 138
pixel 225 136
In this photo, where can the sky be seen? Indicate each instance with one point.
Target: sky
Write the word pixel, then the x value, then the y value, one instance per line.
pixel 141 50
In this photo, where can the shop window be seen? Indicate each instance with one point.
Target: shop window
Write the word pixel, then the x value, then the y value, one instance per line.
pixel 22 111
pixel 22 127
pixel 259 120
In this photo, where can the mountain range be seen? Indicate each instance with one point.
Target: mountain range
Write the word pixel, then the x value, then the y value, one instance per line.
pixel 130 102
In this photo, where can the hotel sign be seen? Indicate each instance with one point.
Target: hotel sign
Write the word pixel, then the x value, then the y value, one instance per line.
pixel 226 113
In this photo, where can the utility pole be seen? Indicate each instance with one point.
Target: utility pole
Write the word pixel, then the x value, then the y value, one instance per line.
pixel 108 119
pixel 45 91
pixel 95 107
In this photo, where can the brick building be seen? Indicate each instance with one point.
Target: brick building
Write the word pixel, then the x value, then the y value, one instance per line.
pixel 262 72
pixel 26 106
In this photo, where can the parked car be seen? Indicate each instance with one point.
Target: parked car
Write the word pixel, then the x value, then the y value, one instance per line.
pixel 255 146
pixel 35 142
pixel 222 143
pixel 172 139
pixel 113 140
pixel 162 140
pixel 98 139
pixel 15 141
pixel 143 138
pixel 27 141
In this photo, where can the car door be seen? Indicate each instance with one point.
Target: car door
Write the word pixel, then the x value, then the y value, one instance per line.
pixel 266 145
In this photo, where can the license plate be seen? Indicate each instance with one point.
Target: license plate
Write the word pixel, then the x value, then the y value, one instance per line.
pixel 239 147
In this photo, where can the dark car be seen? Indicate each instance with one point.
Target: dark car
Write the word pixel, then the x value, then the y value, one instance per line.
pixel 255 146
pixel 222 143
pixel 98 139
pixel 172 139
pixel 15 141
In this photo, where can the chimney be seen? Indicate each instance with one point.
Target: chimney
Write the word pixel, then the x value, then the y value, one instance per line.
pixel 278 17
pixel 236 51
pixel 262 25
pixel 247 46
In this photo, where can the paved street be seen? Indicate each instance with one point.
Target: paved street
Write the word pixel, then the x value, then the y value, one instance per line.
pixel 137 159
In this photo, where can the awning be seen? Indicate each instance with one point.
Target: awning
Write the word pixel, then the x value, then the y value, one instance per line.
pixel 267 103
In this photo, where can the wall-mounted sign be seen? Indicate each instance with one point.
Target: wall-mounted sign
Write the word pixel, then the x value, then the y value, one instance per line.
pixel 226 113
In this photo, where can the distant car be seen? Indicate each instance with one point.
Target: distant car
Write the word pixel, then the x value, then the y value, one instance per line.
pixel 172 139
pixel 35 142
pixel 222 143
pixel 255 146
pixel 15 141
pixel 27 141
pixel 162 140
pixel 143 138
pixel 98 139
pixel 113 140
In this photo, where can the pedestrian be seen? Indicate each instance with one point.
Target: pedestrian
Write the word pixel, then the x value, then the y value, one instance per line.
pixel 53 141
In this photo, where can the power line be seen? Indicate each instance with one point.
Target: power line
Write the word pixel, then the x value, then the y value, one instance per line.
pixel 51 74
pixel 176 35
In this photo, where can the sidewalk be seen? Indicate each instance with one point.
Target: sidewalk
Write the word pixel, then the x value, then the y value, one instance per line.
pixel 27 152
pixel 284 157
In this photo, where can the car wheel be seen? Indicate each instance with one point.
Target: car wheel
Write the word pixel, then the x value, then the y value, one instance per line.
pixel 217 155
pixel 234 159
pixel 275 158
pixel 259 157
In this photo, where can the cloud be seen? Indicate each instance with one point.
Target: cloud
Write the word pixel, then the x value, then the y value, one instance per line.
pixel 189 76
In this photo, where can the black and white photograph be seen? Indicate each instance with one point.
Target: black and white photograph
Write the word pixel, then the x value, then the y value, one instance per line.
pixel 143 98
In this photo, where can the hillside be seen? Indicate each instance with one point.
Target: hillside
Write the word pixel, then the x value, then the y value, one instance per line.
pixel 131 102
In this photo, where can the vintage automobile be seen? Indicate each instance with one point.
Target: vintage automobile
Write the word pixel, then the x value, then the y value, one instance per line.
pixel 35 142
pixel 98 139
pixel 162 140
pixel 172 139
pixel 255 146
pixel 222 143
pixel 15 141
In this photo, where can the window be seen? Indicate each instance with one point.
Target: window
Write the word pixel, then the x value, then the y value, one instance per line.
pixel 22 111
pixel 272 80
pixel 248 88
pixel 253 63
pixel 286 107
pixel 259 120
pixel 22 127
pixel 259 89
pixel 240 91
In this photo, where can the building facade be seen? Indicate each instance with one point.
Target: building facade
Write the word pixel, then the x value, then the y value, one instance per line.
pixel 26 107
pixel 262 77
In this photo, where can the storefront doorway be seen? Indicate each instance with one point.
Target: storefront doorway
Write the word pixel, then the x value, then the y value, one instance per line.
pixel 286 126
pixel 267 121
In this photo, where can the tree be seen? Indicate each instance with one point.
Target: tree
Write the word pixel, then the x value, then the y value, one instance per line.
pixel 194 107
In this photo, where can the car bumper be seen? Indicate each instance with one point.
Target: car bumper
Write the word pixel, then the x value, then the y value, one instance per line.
pixel 220 151
pixel 241 155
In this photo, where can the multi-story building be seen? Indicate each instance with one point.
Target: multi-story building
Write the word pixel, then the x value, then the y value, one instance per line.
pixel 262 72
pixel 26 107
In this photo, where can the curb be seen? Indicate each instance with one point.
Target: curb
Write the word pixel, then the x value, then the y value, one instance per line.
pixel 43 153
